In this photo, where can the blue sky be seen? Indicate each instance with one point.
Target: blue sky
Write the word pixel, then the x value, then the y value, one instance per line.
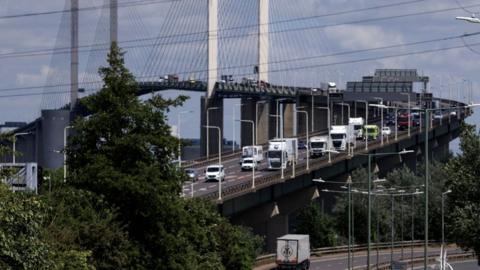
pixel 351 26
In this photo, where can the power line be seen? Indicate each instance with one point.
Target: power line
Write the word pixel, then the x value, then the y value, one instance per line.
pixel 123 4
pixel 245 74
pixel 65 50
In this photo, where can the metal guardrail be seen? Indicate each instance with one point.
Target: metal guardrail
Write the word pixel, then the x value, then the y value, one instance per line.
pixel 261 182
pixel 319 252
pixel 420 261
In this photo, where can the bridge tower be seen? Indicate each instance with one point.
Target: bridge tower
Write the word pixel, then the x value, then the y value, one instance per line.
pixel 113 21
pixel 74 54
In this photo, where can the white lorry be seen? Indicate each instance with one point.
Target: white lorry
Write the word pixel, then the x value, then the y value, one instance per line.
pixel 318 145
pixel 282 150
pixel 357 124
pixel 293 251
pixel 254 152
pixel 341 136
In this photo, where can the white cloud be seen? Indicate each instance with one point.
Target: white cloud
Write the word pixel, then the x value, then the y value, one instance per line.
pixel 25 79
pixel 363 36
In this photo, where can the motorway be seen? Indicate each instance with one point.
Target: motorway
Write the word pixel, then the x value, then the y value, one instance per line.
pixel 234 175
pixel 339 261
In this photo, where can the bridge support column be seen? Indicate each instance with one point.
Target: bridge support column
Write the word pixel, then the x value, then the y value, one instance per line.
pixel 212 46
pixel 249 112
pixel 73 54
pixel 52 138
pixel 263 41
pixel 215 119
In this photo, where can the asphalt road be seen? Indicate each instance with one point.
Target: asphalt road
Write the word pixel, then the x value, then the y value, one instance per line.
pixel 234 175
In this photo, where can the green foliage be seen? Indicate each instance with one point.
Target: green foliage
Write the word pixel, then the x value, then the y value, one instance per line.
pixel 21 246
pixel 122 154
pixel 463 172
pixel 320 227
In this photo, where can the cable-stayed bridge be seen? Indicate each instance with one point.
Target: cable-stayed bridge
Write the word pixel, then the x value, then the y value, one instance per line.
pixel 254 50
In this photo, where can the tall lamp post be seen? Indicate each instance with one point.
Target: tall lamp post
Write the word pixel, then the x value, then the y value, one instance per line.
pixel 253 143
pixel 349 147
pixel 381 117
pixel 369 223
pixel 219 156
pixel 366 120
pixel 308 145
pixel 314 90
pixel 328 130
pixel 443 215
pixel 15 135
pixel 180 137
pixel 65 152
pixel 208 130
pixel 409 112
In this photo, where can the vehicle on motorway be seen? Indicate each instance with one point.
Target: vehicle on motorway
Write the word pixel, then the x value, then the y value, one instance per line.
pixel 293 251
pixel 192 175
pixel 215 172
pixel 370 132
pixel 341 136
pixel 281 153
pixel 227 78
pixel 332 87
pixel 302 145
pixel 402 120
pixel 453 113
pixel 357 124
pixel 318 146
pixel 191 80
pixel 253 151
pixel 172 78
pixel 389 120
pixel 438 115
pixel 249 164
pixel 386 131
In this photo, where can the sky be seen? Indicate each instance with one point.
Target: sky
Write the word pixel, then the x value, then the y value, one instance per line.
pixel 311 41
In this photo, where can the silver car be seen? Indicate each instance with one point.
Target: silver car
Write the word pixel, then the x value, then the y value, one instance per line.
pixel 192 175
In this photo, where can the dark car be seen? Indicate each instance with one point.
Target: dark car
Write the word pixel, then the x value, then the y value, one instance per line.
pixel 192 175
pixel 302 145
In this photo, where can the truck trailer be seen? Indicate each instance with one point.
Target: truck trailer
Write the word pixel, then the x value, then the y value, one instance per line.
pixel 282 153
pixel 293 251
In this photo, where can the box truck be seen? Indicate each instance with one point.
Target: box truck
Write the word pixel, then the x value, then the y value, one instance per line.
pixel 341 136
pixel 282 150
pixel 254 152
pixel 357 125
pixel 293 251
pixel 318 146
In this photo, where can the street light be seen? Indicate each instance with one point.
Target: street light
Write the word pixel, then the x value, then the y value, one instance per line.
pixel 208 132
pixel 219 156
pixel 370 155
pixel 314 90
pixel 443 215
pixel 179 137
pixel 308 145
pixel 14 144
pixel 65 152
pixel 253 138
pixel 328 129
pixel 349 147
pixel 366 121
pixel 256 119
pixel 381 118
pixel 409 112
pixel 233 117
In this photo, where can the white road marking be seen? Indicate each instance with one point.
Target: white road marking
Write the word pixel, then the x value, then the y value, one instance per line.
pixel 202 189
pixel 211 186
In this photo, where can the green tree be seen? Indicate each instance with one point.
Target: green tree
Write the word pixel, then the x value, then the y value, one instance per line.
pixel 463 173
pixel 123 153
pixel 320 227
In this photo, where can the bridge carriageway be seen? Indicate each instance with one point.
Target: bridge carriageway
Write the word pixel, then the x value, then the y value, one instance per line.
pixel 266 208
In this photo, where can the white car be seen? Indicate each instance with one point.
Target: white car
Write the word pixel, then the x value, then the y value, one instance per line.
pixel 386 131
pixel 438 115
pixel 249 164
pixel 215 172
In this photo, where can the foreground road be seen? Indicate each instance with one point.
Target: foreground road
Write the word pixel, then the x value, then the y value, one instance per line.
pixel 339 261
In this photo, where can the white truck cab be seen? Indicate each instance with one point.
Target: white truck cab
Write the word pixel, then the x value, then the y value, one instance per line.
pixel 215 172
pixel 249 164
pixel 318 146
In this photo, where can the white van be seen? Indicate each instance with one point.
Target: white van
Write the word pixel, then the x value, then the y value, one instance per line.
pixel 215 172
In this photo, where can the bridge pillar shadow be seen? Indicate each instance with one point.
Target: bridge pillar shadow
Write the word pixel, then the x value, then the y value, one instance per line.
pixel 262 121
pixel 215 119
